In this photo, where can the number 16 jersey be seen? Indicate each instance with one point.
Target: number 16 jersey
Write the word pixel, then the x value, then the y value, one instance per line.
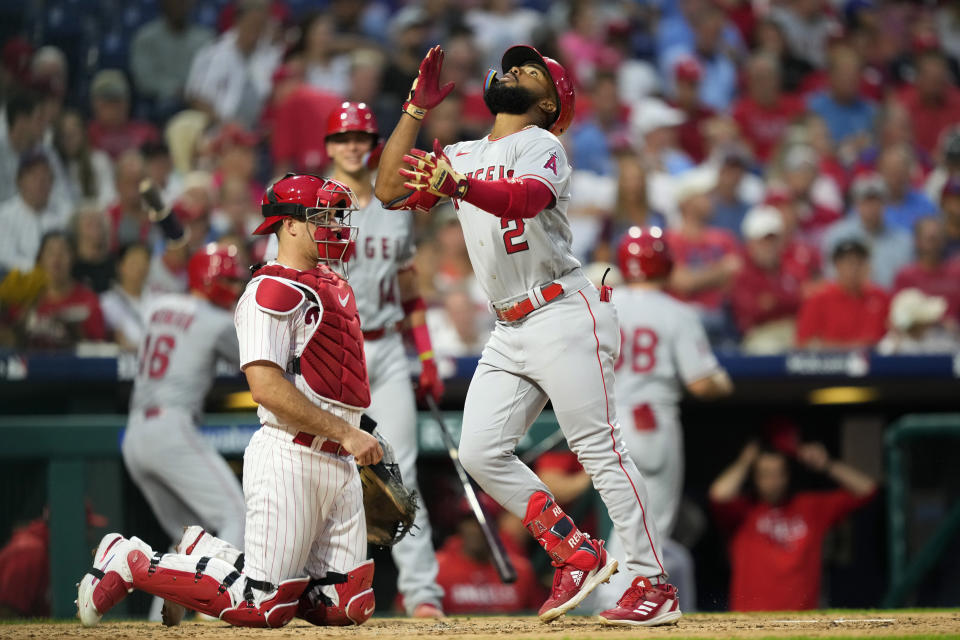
pixel 510 257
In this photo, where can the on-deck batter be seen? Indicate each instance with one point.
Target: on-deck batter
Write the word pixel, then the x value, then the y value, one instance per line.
pixel 302 352
pixel 389 303
pixel 555 339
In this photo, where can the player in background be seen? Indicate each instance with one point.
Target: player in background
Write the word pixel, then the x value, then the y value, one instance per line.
pixel 305 539
pixel 556 339
pixel 183 478
pixel 389 303
pixel 663 349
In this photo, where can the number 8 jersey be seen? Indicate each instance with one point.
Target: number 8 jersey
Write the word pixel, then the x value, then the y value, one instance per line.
pixel 510 257
pixel 184 336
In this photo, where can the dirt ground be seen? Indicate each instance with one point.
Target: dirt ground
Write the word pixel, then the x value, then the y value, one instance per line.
pixel 814 625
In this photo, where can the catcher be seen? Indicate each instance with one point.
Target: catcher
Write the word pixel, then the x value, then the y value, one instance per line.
pixel 305 531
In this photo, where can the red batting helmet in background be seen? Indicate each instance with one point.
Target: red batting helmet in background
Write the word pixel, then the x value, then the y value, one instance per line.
pixel 352 116
pixel 520 55
pixel 644 255
pixel 214 271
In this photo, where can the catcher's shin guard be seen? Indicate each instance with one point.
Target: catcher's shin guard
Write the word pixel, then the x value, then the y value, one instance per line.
pixel 275 611
pixel 354 602
pixel 199 583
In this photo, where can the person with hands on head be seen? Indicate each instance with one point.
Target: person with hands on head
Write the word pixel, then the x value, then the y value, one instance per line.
pixel 389 304
pixel 557 337
pixel 776 534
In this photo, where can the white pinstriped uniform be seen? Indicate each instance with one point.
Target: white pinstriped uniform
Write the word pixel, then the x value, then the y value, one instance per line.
pixel 564 351
pixel 304 506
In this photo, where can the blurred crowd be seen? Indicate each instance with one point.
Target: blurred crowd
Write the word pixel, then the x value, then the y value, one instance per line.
pixel 802 155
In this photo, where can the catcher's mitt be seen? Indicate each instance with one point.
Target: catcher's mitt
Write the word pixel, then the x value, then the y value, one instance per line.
pixel 389 507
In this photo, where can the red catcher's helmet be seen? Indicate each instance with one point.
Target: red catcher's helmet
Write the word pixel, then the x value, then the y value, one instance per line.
pixel 325 202
pixel 521 54
pixel 643 254
pixel 352 116
pixel 215 271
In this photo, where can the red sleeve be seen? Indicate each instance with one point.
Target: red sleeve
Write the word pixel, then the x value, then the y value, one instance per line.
pixel 565 461
pixel 808 322
pixel 830 507
pixel 730 514
pixel 510 198
pixel 94 328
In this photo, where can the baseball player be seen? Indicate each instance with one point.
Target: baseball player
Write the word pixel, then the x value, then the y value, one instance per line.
pixel 664 348
pixel 305 539
pixel 556 339
pixel 385 284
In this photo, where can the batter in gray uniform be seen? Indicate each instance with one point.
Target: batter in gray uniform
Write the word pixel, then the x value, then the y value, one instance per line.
pixel 389 304
pixel 557 339
pixel 182 476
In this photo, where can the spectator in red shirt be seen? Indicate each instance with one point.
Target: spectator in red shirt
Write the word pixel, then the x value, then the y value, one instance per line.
pixel 933 101
pixel 128 218
pixel 931 272
pixel 687 73
pixel 25 572
pixel 849 312
pixel 707 258
pixel 764 113
pixel 800 257
pixel 765 296
pixel 297 116
pixel 66 312
pixel 471 584
pixel 816 197
pixel 111 129
pixel 776 535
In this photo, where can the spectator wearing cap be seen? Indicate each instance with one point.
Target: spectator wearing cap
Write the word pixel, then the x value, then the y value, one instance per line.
pixel 229 79
pixel 29 213
pixel 816 196
pixel 906 203
pixel 765 297
pixel 128 218
pixel 25 126
pixel 917 325
pixel 719 81
pixel 235 151
pixel 950 209
pixel 890 248
pixel 933 101
pixel 298 117
pixel 687 74
pixel 931 271
pixel 707 259
pixel 161 53
pixel 653 135
pixel 849 116
pixel 848 312
pixel 111 129
pixel 764 112
pixel 88 171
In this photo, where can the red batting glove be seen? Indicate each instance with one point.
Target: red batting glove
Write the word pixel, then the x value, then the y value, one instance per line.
pixel 430 382
pixel 426 93
pixel 433 172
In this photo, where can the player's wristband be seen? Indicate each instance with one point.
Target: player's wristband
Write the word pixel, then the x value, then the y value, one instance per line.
pixel 421 341
pixel 413 110
pixel 414 304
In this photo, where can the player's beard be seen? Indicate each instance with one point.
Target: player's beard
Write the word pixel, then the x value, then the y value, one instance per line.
pixel 501 98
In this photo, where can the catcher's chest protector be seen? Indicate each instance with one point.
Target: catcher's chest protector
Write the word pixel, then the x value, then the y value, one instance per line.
pixel 332 362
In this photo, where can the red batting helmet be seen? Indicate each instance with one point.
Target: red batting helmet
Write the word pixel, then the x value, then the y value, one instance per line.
pixel 521 54
pixel 313 199
pixel 214 271
pixel 643 254
pixel 352 116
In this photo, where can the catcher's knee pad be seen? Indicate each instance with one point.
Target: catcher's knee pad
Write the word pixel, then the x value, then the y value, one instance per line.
pixel 202 584
pixel 353 601
pixel 276 610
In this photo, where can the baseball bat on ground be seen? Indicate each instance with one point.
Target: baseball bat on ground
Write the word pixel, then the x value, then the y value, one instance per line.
pixel 501 561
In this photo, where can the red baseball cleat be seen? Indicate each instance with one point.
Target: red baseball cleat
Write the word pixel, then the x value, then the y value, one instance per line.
pixel 572 584
pixel 644 605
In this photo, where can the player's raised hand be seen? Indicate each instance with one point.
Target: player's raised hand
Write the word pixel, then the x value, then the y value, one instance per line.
pixel 433 172
pixel 364 447
pixel 426 92
pixel 814 455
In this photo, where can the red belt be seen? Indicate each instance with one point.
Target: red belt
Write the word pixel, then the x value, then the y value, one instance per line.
pixel 525 307
pixel 328 446
pixel 376 334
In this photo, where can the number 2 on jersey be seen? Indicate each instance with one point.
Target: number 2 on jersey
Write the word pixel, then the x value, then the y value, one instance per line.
pixel 643 350
pixel 156 355
pixel 514 230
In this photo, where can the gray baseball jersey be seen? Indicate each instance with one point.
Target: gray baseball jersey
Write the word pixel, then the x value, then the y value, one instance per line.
pixel 384 246
pixel 183 338
pixel 510 257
